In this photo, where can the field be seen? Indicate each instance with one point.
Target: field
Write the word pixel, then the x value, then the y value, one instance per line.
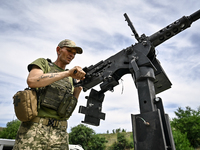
pixel 111 138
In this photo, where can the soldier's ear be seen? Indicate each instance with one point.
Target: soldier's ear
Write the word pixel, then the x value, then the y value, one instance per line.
pixel 58 50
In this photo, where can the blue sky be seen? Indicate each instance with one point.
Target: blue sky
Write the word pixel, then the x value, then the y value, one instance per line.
pixel 32 29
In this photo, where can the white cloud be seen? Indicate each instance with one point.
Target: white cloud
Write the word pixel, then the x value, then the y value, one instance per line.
pixel 32 29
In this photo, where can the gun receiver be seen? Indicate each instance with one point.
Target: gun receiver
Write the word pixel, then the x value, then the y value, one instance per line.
pixel 139 60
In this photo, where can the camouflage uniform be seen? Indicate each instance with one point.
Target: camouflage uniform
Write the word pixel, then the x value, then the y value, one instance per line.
pixel 36 136
pixel 39 133
pixel 48 129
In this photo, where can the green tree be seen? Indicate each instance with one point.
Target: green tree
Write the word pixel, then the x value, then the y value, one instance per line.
pixel 181 141
pixel 113 131
pixel 87 138
pixel 118 130
pixel 122 143
pixel 11 129
pixel 188 122
pixel 123 130
pixel 107 132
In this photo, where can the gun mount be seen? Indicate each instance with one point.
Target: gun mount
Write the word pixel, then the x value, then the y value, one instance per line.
pixel 140 61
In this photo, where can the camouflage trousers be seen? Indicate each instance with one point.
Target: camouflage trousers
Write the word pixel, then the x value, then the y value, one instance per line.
pixel 36 136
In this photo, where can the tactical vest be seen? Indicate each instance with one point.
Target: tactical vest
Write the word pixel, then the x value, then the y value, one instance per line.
pixel 58 95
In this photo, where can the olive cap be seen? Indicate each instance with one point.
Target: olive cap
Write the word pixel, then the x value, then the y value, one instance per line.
pixel 72 44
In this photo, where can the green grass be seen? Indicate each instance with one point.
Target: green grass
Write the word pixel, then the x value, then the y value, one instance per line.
pixel 112 137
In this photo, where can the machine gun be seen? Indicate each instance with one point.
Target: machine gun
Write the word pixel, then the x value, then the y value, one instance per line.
pixel 151 128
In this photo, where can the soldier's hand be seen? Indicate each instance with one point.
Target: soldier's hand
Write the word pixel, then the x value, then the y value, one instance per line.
pixel 77 73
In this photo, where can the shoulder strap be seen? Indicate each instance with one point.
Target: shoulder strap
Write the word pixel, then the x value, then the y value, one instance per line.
pixel 49 62
pixel 71 79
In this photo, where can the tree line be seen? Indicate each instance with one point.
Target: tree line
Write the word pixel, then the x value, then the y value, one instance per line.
pixel 185 128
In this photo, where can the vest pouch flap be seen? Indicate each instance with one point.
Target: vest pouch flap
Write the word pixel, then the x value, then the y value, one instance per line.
pixel 52 95
pixel 67 106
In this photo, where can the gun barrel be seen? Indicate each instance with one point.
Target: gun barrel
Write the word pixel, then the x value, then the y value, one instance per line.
pixel 173 29
pixel 195 16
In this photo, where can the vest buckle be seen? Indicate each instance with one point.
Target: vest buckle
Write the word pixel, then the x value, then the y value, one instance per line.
pixel 52 122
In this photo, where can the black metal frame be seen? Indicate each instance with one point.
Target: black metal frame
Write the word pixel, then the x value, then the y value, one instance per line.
pixel 151 128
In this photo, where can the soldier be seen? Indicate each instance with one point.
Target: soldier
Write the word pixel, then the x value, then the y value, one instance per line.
pixel 57 99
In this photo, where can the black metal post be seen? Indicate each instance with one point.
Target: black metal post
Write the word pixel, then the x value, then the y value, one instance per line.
pixel 151 129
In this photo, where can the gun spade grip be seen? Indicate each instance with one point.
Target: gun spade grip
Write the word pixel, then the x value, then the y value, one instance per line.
pixel 75 71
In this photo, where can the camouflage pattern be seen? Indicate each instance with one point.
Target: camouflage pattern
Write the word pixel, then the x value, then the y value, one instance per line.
pixel 52 95
pixel 72 44
pixel 36 136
